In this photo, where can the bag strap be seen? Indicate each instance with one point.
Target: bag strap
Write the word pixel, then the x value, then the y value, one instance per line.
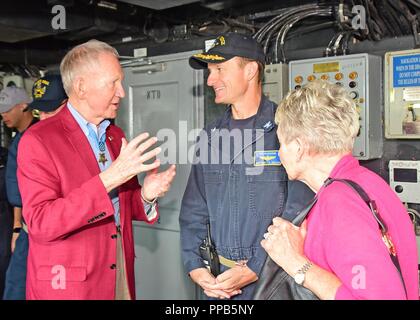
pixel 382 225
pixel 301 216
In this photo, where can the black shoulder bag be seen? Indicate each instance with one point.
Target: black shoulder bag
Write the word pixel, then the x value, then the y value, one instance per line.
pixel 276 284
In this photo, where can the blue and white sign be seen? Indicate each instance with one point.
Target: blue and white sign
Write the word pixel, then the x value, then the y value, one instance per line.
pixel 406 71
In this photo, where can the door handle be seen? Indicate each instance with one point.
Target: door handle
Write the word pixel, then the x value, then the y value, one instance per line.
pixel 149 69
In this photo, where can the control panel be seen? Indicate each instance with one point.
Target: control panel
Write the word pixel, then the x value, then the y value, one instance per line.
pixel 358 74
pixel 404 179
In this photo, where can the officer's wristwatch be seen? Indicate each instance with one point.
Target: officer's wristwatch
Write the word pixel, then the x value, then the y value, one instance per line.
pixel 300 275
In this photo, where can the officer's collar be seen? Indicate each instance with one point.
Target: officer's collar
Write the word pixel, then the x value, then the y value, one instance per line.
pixel 263 119
pixel 265 115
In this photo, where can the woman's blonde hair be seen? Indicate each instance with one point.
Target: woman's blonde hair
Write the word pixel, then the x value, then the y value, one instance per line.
pixel 321 114
pixel 79 58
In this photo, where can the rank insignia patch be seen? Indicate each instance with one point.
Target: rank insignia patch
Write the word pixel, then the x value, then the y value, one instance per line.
pixel 267 158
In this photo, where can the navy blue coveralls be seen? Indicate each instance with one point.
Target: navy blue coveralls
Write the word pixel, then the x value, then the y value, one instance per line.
pixel 239 199
pixel 15 284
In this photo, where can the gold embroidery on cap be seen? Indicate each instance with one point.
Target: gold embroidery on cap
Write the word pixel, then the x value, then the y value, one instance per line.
pixel 209 56
pixel 39 90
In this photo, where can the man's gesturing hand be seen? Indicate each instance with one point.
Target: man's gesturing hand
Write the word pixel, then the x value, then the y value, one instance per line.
pixel 156 184
pixel 130 162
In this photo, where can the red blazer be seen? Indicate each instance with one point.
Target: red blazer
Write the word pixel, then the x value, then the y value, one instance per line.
pixel 72 247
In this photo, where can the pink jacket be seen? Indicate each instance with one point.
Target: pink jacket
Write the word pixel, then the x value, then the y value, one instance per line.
pixel 344 238
pixel 72 247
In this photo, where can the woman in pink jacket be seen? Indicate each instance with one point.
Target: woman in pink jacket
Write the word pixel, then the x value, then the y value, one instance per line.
pixel 338 253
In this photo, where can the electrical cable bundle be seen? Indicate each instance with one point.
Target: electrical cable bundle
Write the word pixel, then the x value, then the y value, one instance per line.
pixel 219 25
pixel 383 19
pixel 273 34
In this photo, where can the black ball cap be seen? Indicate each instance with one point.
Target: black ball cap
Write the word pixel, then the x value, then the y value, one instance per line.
pixel 226 47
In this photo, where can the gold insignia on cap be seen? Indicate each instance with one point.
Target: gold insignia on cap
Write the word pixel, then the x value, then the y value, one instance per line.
pixel 206 56
pixel 40 87
pixel 220 41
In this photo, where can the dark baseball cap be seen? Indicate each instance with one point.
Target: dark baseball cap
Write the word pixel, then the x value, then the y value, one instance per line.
pixel 226 47
pixel 48 93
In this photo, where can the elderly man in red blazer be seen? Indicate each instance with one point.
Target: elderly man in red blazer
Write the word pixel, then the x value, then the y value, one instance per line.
pixel 78 179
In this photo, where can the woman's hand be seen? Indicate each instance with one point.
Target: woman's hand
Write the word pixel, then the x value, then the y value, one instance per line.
pixel 284 244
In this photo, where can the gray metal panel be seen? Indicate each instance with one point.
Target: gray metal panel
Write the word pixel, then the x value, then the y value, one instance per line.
pixel 165 94
pixel 375 116
pixel 156 102
pixel 158 267
pixel 275 84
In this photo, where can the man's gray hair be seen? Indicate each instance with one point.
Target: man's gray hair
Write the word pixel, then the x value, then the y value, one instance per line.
pixel 83 56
